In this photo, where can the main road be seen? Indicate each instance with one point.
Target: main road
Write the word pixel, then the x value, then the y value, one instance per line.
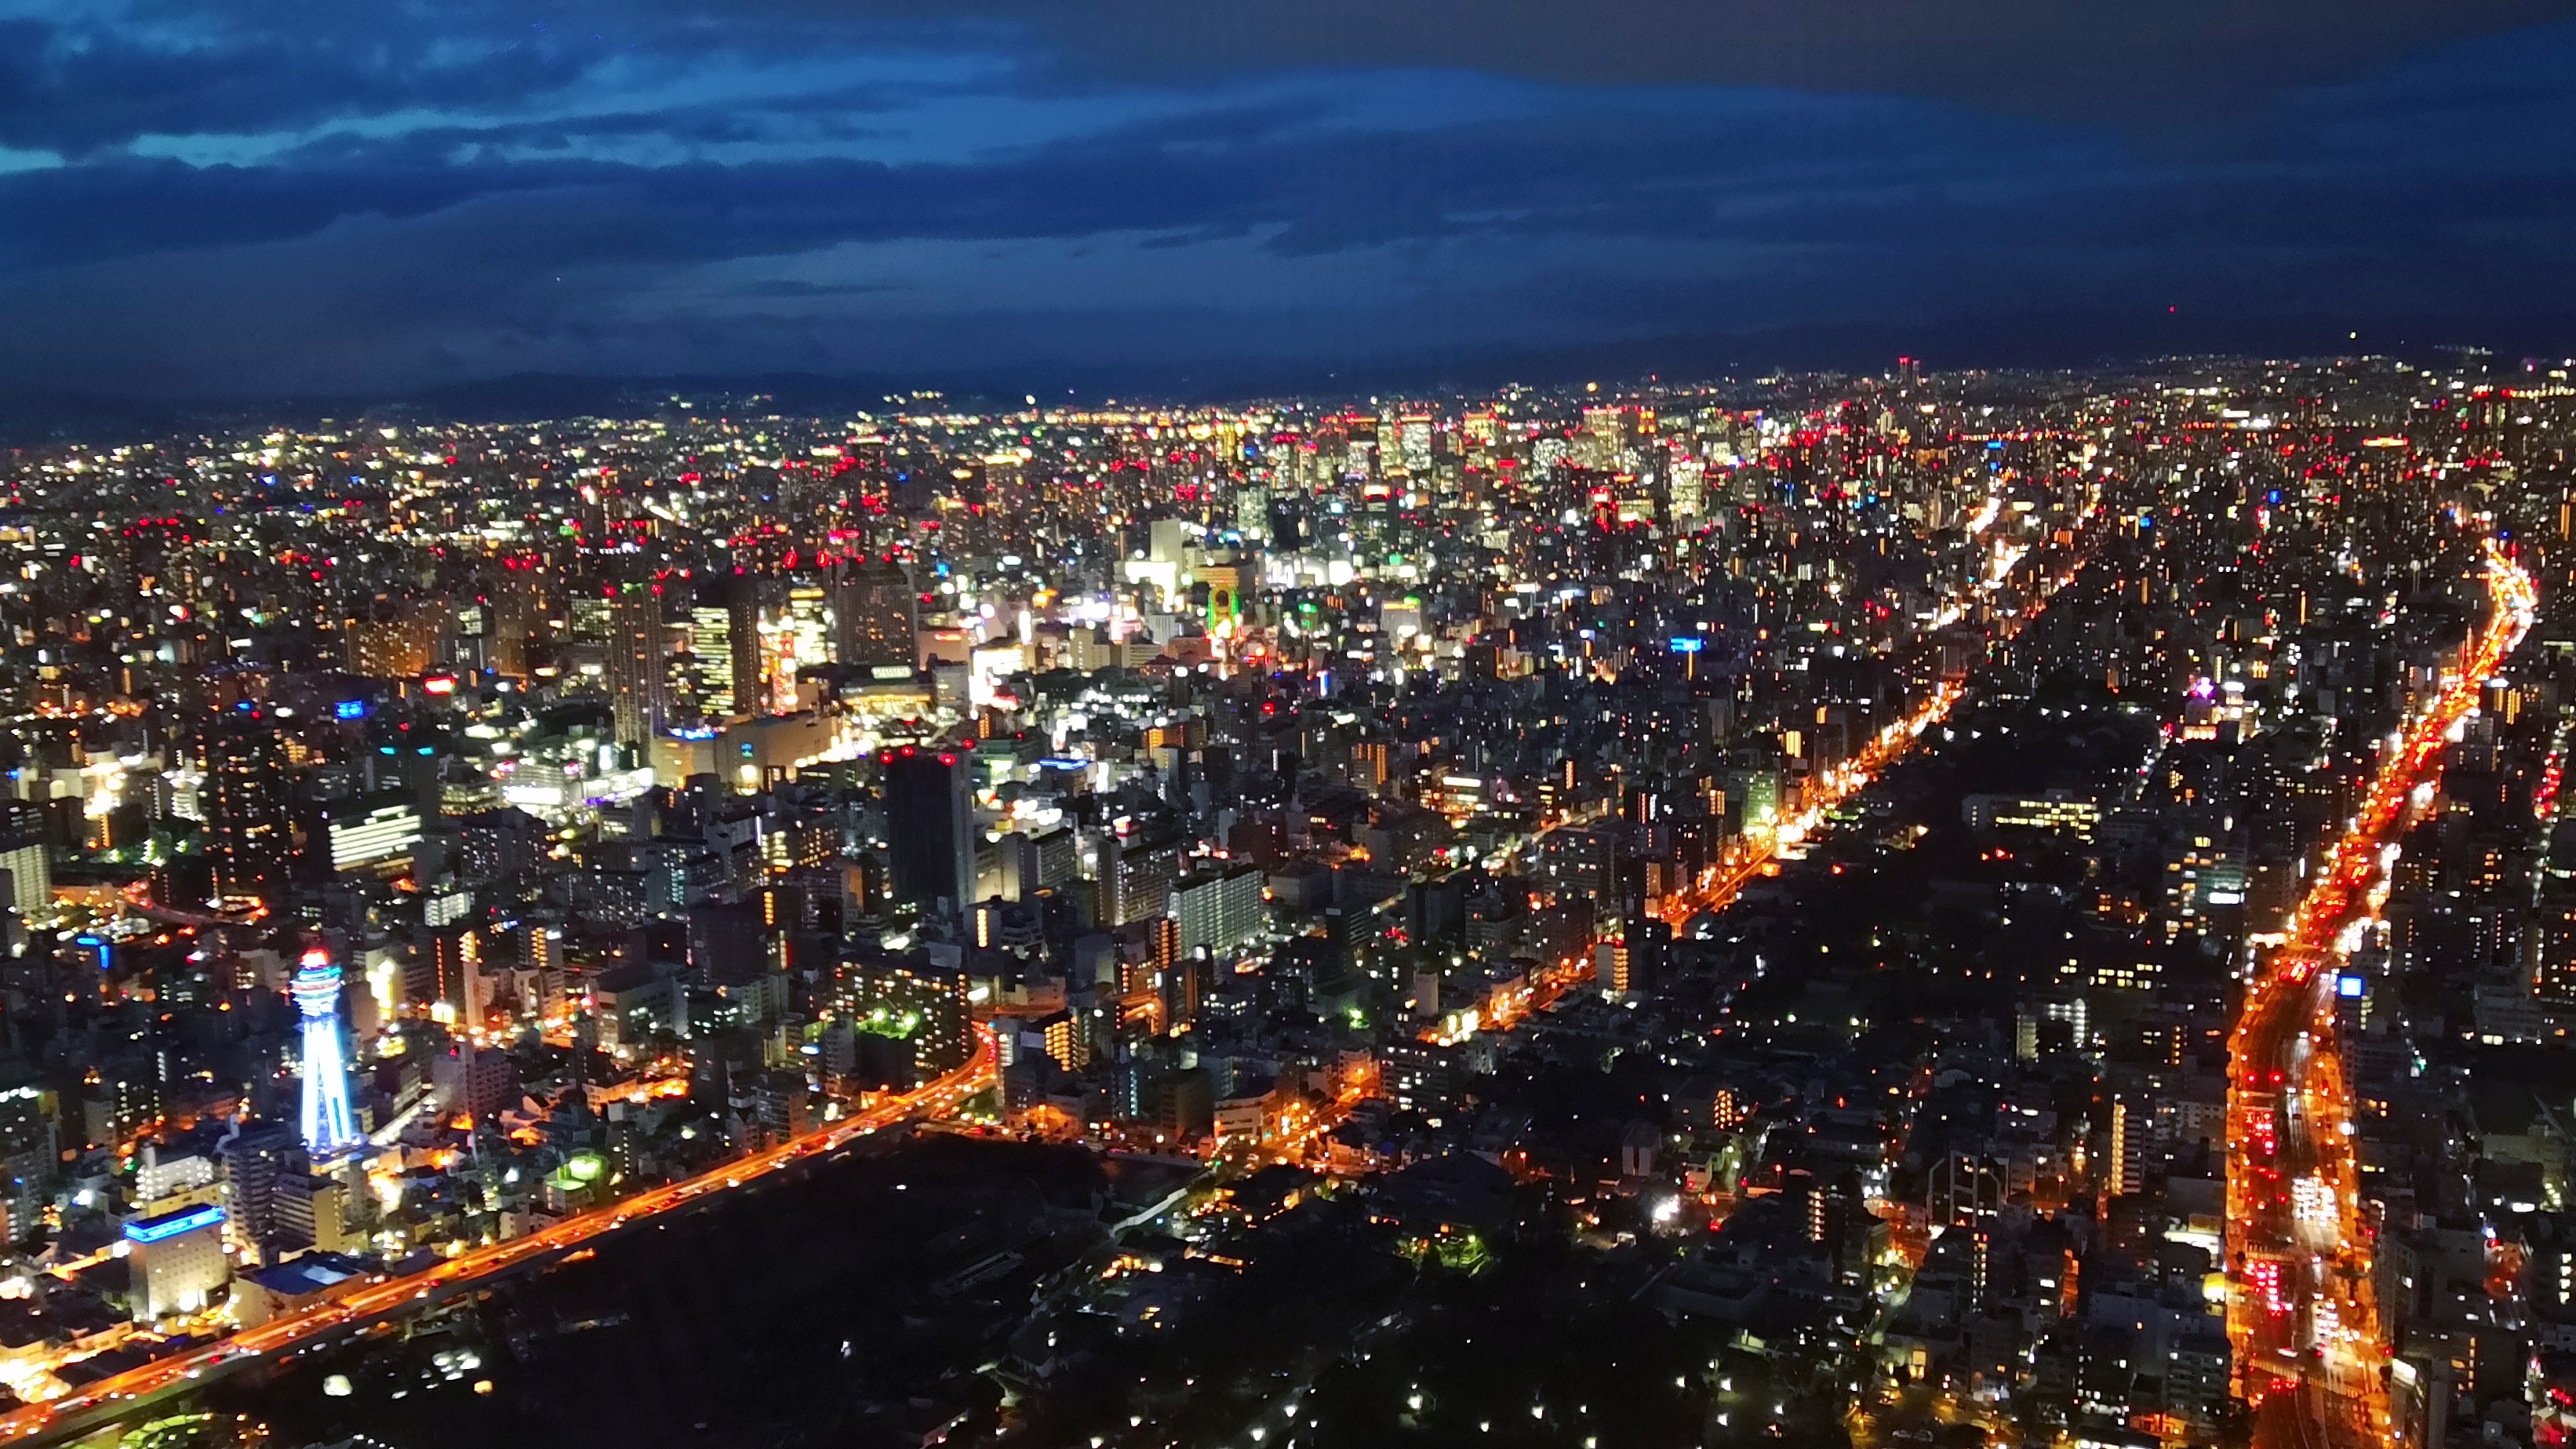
pixel 1829 789
pixel 2309 1351
pixel 122 1394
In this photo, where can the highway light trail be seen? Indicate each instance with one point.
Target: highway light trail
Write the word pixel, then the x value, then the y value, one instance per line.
pixel 109 1395
pixel 1833 787
pixel 1762 847
pixel 2306 1330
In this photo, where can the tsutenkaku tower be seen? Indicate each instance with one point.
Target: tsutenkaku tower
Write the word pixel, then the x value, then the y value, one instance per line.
pixel 330 1127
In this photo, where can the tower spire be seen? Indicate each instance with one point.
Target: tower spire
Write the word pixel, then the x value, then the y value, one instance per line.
pixel 329 1126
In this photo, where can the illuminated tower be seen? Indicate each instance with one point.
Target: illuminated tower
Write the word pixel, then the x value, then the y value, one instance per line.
pixel 329 1126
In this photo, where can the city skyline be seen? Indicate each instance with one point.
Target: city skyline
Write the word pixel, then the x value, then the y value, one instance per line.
pixel 1983 907
pixel 1295 724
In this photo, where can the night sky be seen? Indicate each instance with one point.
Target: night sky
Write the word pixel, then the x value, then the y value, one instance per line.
pixel 244 199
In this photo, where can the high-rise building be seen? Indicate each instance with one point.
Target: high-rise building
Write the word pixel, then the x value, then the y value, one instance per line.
pixel 1136 879
pixel 930 825
pixel 393 648
pixel 509 616
pixel 246 816
pixel 329 1126
pixel 1218 911
pixel 875 614
pixel 257 1156
pixel 1413 442
pixel 31 1158
pixel 471 1079
pixel 26 868
pixel 742 635
pixel 1032 863
pixel 638 687
pixel 444 974
pixel 800 636
pixel 711 656
pixel 908 1014
pixel 1065 1039
pixel 2554 939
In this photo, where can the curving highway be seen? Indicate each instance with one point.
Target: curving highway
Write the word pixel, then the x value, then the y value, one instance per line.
pixel 2309 1355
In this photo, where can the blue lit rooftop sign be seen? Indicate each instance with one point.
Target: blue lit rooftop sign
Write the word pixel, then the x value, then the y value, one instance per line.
pixel 153 1230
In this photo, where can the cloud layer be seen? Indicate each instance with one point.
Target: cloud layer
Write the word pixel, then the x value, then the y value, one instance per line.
pixel 268 197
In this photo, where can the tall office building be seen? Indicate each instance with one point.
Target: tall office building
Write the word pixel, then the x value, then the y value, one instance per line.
pixel 510 612
pixel 377 832
pixel 638 686
pixel 1413 443
pixel 711 659
pixel 445 974
pixel 930 825
pixel 31 1157
pixel 247 825
pixel 742 635
pixel 26 867
pixel 329 1126
pixel 875 613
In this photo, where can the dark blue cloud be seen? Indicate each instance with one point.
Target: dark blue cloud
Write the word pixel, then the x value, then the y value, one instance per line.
pixel 2149 61
pixel 269 195
pixel 74 86
pixel 83 73
pixel 1606 168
